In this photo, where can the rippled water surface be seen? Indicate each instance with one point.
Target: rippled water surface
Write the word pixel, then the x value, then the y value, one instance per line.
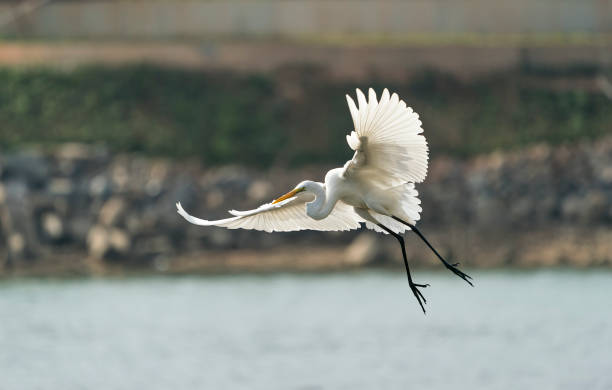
pixel 527 330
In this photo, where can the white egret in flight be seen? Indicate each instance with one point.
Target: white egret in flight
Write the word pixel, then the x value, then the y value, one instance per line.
pixel 375 187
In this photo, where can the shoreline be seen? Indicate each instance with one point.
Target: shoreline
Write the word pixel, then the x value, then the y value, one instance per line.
pixel 282 260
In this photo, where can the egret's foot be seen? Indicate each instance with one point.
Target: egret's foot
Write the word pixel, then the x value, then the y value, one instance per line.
pixel 458 272
pixel 417 293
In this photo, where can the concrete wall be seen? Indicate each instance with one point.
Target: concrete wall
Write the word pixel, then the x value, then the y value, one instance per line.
pixel 197 18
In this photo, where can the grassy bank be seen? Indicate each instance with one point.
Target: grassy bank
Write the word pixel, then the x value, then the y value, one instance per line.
pixel 297 115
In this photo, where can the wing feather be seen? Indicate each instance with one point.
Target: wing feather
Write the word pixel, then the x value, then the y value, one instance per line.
pixel 389 147
pixel 288 215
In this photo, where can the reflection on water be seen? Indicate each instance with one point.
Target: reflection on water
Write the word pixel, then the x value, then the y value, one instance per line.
pixel 539 330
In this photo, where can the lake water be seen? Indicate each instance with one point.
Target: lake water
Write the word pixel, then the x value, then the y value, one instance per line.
pixel 364 330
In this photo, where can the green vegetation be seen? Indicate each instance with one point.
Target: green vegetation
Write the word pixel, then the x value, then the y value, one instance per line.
pixel 294 116
pixel 174 113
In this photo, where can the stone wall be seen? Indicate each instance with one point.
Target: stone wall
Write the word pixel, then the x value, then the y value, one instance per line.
pixel 537 206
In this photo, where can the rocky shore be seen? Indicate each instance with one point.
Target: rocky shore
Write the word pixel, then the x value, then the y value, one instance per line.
pixel 78 209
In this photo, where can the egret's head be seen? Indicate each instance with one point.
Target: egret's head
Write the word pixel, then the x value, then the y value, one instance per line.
pixel 303 186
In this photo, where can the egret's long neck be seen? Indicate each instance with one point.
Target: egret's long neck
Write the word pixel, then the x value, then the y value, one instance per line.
pixel 323 204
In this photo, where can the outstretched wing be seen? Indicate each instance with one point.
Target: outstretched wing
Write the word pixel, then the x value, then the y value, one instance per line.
pixel 285 216
pixel 389 148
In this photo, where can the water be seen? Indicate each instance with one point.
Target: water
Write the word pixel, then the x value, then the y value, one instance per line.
pixel 537 330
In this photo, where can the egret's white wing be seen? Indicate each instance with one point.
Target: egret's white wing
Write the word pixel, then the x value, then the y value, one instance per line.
pixel 288 215
pixel 389 148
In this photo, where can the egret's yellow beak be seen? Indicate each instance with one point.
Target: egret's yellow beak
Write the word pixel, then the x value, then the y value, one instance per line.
pixel 288 195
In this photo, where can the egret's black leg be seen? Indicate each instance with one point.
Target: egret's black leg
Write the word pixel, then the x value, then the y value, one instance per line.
pixel 413 286
pixel 452 267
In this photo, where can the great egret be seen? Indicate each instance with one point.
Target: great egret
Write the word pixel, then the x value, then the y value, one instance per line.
pixel 376 186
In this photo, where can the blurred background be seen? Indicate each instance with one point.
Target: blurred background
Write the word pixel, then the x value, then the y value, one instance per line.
pixel 113 110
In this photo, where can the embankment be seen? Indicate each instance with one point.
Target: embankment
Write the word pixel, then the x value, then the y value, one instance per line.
pixel 80 209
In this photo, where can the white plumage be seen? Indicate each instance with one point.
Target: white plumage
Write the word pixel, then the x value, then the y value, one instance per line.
pixel 389 148
pixel 286 216
pixel 376 186
pixel 390 155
